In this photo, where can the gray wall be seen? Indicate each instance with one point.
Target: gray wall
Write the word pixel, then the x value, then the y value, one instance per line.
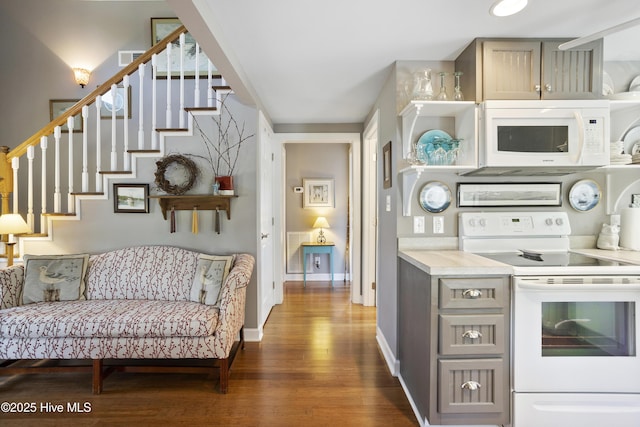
pixel 324 161
pixel 32 72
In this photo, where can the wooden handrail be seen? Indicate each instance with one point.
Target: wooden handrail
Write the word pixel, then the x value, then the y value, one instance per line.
pixel 100 90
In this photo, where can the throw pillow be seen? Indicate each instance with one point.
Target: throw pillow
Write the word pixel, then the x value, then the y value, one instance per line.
pixel 54 277
pixel 211 272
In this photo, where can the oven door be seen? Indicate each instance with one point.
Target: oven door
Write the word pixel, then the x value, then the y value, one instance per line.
pixel 576 334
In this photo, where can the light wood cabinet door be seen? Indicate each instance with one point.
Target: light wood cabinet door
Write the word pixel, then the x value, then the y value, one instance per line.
pixel 511 69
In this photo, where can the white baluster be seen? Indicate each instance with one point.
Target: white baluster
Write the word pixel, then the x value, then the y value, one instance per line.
pixel 154 103
pixel 44 142
pixel 85 150
pixel 114 147
pixel 125 120
pixel 15 165
pixel 98 145
pixel 57 197
pixel 168 118
pixel 70 197
pixel 181 111
pixel 209 84
pixel 30 156
pixel 196 86
pixel 141 107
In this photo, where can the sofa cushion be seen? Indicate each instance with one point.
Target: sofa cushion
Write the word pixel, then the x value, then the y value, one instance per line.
pixel 109 318
pixel 211 273
pixel 142 272
pixel 54 277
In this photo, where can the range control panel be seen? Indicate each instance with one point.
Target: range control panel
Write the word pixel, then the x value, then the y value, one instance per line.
pixel 513 224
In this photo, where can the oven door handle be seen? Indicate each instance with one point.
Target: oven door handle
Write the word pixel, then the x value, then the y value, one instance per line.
pixel 578 287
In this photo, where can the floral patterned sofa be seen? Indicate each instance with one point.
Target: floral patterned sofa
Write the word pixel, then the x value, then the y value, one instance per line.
pixel 144 302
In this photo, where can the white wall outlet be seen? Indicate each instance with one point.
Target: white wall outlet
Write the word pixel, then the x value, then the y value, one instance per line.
pixel 317 261
pixel 438 225
pixel 388 204
pixel 418 224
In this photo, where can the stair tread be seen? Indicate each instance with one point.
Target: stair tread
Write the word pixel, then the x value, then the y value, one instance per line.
pixel 115 172
pixel 88 193
pixel 221 87
pixel 172 129
pixel 143 151
pixel 201 109
pixel 58 214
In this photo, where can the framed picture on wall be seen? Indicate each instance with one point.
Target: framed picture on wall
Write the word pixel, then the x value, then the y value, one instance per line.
pixel 58 106
pixel 161 28
pixel 131 198
pixel 318 193
pixel 386 165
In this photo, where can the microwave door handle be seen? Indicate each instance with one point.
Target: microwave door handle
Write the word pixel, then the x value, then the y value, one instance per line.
pixel 577 159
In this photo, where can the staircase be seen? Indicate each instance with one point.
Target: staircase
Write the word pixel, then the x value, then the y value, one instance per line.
pixel 84 161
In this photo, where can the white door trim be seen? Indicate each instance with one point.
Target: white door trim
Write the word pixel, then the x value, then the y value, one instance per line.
pixel 353 139
pixel 370 144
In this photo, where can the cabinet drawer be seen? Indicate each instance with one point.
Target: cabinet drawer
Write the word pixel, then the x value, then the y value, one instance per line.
pixel 472 334
pixel 472 386
pixel 473 292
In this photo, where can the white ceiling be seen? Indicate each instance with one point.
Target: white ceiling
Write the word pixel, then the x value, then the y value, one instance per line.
pixel 326 61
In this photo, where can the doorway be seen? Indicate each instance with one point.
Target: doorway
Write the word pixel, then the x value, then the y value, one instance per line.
pixel 353 237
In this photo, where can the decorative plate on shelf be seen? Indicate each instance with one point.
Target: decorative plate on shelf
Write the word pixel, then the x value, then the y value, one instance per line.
pixel 634 86
pixel 434 197
pixel 425 145
pixel 631 138
pixel 584 195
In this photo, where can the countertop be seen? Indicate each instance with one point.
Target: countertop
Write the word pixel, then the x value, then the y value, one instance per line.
pixel 632 257
pixel 453 262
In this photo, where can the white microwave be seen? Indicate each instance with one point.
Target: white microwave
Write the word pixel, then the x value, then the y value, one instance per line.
pixel 543 137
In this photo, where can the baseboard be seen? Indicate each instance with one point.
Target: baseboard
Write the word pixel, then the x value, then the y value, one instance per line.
pixel 389 357
pixel 422 421
pixel 253 334
pixel 312 277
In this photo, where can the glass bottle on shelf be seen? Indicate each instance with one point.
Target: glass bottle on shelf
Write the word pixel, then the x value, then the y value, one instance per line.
pixel 457 91
pixel 442 96
pixel 422 88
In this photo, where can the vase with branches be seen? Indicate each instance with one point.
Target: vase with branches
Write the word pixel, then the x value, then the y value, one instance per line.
pixel 223 144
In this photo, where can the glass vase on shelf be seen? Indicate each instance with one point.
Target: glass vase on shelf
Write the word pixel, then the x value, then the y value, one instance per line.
pixel 442 96
pixel 457 91
pixel 422 88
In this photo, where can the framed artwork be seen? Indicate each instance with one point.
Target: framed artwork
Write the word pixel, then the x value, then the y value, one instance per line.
pixel 510 194
pixel 131 198
pixel 318 193
pixel 112 102
pixel 58 106
pixel 386 165
pixel 162 27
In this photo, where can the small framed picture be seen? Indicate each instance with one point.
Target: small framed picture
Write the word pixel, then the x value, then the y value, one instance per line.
pixel 111 102
pixel 131 198
pixel 161 28
pixel 58 106
pixel 318 193
pixel 386 165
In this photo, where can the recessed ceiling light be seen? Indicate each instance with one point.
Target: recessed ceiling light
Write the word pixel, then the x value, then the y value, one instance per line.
pixel 507 7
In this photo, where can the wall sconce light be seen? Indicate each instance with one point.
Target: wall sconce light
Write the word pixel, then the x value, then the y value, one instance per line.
pixel 507 7
pixel 12 224
pixel 82 76
pixel 321 223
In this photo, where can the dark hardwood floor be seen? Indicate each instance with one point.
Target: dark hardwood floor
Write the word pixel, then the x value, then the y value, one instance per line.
pixel 317 365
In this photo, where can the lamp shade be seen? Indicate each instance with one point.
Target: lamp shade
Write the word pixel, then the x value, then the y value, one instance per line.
pixel 321 222
pixel 13 224
pixel 82 76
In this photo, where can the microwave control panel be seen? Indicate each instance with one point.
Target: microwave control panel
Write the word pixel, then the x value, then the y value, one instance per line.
pixel 594 141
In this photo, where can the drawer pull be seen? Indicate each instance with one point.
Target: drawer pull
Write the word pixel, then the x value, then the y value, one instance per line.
pixel 472 293
pixel 472 334
pixel 471 385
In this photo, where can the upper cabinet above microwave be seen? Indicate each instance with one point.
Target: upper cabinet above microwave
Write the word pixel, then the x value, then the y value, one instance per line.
pixel 530 69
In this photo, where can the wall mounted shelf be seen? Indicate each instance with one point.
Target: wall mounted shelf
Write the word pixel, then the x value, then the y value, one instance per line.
pixel 199 201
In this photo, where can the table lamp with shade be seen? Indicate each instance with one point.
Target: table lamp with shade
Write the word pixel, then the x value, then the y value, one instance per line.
pixel 321 223
pixel 12 224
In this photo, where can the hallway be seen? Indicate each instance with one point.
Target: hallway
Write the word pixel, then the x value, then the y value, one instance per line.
pixel 317 365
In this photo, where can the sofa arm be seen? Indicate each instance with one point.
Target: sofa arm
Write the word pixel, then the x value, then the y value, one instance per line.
pixel 232 300
pixel 11 281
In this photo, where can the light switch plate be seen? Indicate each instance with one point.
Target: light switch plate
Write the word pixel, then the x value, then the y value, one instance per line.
pixel 388 204
pixel 438 225
pixel 418 224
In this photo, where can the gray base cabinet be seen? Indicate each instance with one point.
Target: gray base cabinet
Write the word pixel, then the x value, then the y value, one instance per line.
pixel 454 345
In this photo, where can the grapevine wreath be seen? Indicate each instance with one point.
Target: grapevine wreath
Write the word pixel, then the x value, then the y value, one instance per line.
pixel 191 172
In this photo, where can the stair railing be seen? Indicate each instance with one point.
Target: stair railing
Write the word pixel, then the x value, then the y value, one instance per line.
pixel 92 142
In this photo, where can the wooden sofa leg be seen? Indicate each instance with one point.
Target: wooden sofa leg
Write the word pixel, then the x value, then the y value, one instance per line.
pixel 97 376
pixel 224 375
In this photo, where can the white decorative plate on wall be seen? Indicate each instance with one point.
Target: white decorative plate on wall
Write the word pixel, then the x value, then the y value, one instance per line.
pixel 434 197
pixel 584 195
